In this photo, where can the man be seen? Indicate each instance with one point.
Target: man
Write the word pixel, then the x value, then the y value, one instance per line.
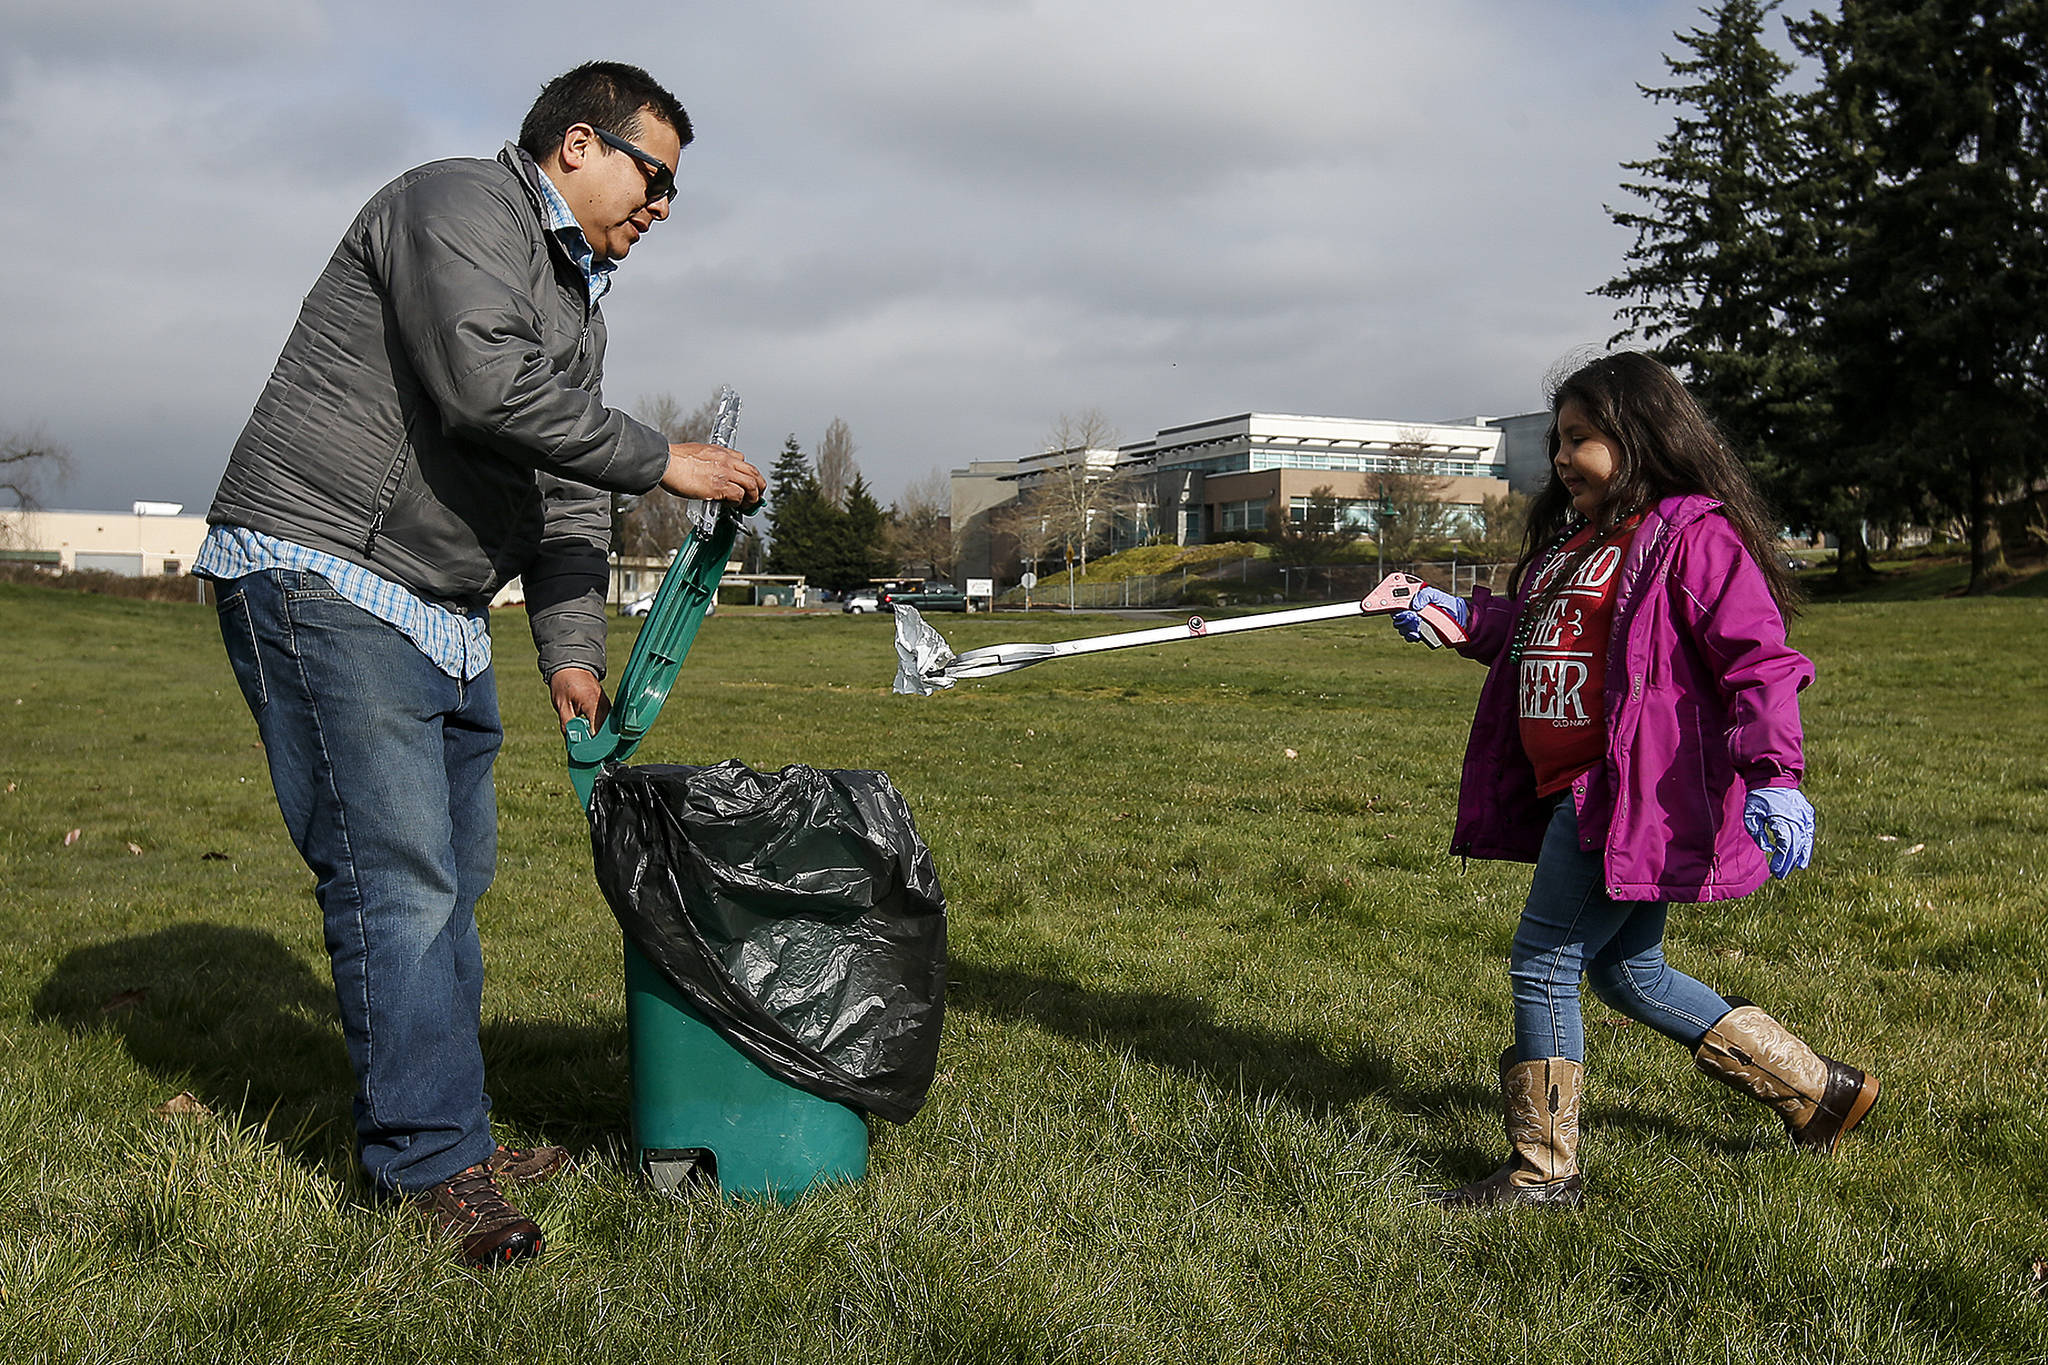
pixel 433 428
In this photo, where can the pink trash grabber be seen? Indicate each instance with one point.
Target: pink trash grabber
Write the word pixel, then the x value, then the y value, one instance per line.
pixel 925 664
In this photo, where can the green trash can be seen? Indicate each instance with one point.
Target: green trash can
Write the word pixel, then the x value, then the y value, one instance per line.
pixel 702 1112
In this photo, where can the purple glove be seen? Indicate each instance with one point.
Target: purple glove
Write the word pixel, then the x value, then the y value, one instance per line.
pixel 1780 819
pixel 1410 625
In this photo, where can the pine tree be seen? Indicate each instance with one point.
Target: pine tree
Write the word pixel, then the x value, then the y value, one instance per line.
pixel 855 555
pixel 1940 377
pixel 799 518
pixel 1722 257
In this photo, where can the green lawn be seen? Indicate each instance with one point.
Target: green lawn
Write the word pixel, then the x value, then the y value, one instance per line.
pixel 1221 1013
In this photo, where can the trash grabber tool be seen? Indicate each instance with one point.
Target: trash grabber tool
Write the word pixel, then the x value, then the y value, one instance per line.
pixel 926 664
pixel 680 604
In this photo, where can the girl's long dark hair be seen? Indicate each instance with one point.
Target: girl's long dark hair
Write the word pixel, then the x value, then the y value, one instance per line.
pixel 1666 445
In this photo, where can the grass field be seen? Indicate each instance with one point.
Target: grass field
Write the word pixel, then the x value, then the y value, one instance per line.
pixel 1222 1010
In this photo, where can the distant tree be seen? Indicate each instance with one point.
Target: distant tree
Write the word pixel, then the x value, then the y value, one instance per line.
pixel 654 524
pixel 921 526
pixel 800 521
pixel 836 469
pixel 855 547
pixel 1076 498
pixel 1033 535
pixel 30 463
pixel 1323 533
pixel 1498 536
pixel 1409 510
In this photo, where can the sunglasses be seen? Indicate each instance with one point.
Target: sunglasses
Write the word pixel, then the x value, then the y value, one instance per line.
pixel 661 181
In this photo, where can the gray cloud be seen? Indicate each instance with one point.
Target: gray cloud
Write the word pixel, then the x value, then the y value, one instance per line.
pixel 944 222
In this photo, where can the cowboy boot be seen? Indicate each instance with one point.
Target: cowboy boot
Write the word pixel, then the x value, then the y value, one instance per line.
pixel 1819 1098
pixel 1541 1102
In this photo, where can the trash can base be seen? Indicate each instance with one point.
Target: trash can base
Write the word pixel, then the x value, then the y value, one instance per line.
pixel 694 1093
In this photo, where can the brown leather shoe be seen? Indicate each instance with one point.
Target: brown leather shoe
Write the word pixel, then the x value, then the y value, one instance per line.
pixel 522 1164
pixel 470 1206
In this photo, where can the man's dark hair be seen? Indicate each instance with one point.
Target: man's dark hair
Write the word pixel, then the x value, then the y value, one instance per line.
pixel 607 95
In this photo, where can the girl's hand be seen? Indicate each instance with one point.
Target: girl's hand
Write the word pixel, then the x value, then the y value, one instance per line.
pixel 1409 623
pixel 1780 819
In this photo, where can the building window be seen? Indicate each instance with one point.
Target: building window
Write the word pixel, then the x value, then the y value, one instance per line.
pixel 1350 512
pixel 172 568
pixel 1249 515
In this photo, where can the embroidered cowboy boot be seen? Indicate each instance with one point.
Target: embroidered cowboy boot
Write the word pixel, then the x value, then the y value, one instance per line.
pixel 1819 1098
pixel 1541 1102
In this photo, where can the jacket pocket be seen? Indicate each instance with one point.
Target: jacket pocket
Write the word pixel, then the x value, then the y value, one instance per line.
pixel 387 488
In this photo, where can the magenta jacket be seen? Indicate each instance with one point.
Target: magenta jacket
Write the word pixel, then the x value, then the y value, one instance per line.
pixel 1702 705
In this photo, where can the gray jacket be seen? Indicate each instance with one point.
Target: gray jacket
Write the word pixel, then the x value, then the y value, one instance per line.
pixel 436 413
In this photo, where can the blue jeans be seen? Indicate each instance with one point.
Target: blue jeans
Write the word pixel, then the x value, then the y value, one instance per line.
pixel 1570 927
pixel 382 768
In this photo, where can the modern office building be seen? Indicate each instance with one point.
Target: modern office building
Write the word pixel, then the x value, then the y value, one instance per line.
pixel 1231 476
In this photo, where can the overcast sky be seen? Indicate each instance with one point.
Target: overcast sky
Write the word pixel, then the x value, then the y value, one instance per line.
pixel 946 221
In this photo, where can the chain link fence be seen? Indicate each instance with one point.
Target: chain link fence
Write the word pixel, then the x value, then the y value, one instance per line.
pixel 1247 582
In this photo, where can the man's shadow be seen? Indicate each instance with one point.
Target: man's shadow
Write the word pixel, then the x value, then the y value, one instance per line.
pixel 248 1028
pixel 1299 1069
pixel 1184 1034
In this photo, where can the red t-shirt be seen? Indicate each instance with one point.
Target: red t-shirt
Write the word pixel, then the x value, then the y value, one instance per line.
pixel 1564 662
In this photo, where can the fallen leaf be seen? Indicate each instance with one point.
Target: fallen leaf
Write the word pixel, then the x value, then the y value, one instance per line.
pixel 210 856
pixel 1887 838
pixel 1734 953
pixel 182 1103
pixel 1290 753
pixel 125 1000
pixel 10 786
pixel 1916 848
pixel 135 848
pixel 2039 1288
pixel 72 837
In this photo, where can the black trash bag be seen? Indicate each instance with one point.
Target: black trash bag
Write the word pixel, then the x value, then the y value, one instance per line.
pixel 799 912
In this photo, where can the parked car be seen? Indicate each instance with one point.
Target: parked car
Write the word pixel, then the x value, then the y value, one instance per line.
pixel 640 606
pixel 861 602
pixel 930 597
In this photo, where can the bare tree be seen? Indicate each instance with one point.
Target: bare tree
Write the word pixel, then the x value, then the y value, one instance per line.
pixel 1079 490
pixel 656 523
pixel 835 466
pixel 1322 534
pixel 922 525
pixel 29 464
pixel 1498 536
pixel 1411 507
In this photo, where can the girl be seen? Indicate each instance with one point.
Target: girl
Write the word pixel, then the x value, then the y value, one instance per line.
pixel 1638 739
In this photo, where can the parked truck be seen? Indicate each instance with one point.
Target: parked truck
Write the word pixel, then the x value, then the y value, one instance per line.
pixel 926 597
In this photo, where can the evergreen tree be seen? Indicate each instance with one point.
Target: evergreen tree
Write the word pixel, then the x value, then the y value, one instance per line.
pixel 799 518
pixel 850 549
pixel 1939 379
pixel 1723 261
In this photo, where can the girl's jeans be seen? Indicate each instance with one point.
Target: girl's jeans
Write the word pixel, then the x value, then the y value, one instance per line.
pixel 1569 927
pixel 382 768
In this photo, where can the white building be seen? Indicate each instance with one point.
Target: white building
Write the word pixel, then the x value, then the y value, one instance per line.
pixel 151 538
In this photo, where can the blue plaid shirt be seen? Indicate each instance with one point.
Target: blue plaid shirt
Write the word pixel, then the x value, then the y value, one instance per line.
pixel 458 645
pixel 563 224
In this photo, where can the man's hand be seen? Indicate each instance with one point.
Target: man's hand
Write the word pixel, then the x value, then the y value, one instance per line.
pixel 576 692
pixel 701 471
